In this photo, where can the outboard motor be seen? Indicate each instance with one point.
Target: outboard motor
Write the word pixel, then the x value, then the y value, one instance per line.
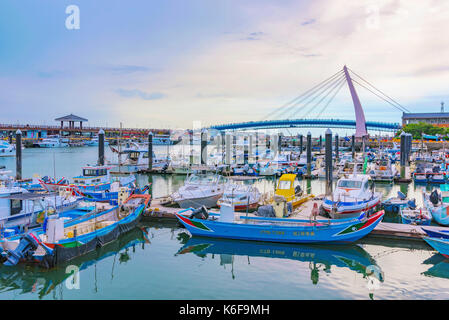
pixel 434 198
pixel 28 244
pixel 200 213
pixel 401 195
pixel 298 190
pixel 412 204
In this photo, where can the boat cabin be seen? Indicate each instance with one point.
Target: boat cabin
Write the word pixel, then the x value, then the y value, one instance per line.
pixel 93 175
pixel 288 186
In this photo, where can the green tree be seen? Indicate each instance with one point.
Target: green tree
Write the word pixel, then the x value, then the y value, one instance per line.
pixel 416 129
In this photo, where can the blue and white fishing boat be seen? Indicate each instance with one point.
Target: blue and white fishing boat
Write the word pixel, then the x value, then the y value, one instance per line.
pixel 276 229
pixel 54 141
pixel 7 149
pixel 439 244
pixel 434 233
pixel 93 179
pixel 429 173
pixel 136 159
pixel 395 204
pixel 61 240
pixel 438 205
pixel 352 195
pixel 20 208
pixel 94 142
pixel 415 216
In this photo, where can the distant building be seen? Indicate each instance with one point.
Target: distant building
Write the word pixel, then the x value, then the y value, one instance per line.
pixel 71 119
pixel 439 119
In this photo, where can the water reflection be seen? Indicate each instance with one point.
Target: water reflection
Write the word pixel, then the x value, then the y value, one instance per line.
pixel 35 280
pixel 440 267
pixel 320 258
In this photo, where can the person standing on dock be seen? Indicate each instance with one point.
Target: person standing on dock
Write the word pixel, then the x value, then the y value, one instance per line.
pixel 314 212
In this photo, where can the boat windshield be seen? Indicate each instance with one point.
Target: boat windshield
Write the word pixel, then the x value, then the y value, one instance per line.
pixel 284 185
pixel 349 184
pixel 202 179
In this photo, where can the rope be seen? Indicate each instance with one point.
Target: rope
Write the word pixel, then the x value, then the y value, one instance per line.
pixel 377 95
pixel 303 96
pixel 321 91
pixel 332 98
pixel 331 89
pixel 402 108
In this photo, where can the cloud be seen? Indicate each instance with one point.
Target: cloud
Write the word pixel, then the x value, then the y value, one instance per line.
pixel 128 69
pixel 255 36
pixel 307 22
pixel 135 93
pixel 50 74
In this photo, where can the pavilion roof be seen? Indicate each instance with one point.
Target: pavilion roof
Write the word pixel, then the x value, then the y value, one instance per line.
pixel 71 117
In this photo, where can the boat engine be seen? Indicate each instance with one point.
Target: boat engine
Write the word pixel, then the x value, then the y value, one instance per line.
pixel 434 198
pixel 298 190
pixel 28 244
pixel 200 213
pixel 412 204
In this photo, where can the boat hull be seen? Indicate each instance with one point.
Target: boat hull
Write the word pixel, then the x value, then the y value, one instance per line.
pixel 208 202
pixel 278 230
pixel 440 245
pixel 350 209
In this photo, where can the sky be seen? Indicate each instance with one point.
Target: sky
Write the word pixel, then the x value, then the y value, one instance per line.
pixel 168 64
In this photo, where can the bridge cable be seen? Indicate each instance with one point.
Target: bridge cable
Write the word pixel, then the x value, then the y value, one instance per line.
pixel 342 83
pixel 377 95
pixel 301 96
pixel 292 111
pixel 297 106
pixel 402 108
pixel 329 90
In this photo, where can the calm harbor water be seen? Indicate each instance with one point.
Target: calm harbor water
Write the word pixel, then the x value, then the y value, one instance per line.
pixel 161 261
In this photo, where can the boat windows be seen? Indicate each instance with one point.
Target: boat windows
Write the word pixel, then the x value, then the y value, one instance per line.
pixel 349 184
pixel 16 206
pixel 94 172
pixel 133 156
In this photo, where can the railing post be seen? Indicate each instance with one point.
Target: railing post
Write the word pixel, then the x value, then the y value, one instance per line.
pixel 18 155
pixel 150 151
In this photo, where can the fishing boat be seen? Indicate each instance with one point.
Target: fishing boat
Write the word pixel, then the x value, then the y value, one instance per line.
pixel 63 241
pixel 136 159
pixel 93 179
pixel 7 149
pixel 415 216
pixel 228 226
pixel 438 205
pixel 20 208
pixel 433 233
pixel 353 194
pixel 43 282
pixel 429 173
pixel 395 204
pixel 383 171
pixel 200 190
pixel 242 197
pixel 94 142
pixel 439 244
